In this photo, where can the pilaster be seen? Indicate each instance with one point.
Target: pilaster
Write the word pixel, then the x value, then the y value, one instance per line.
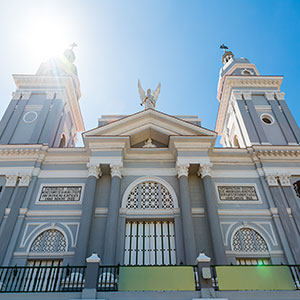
pixel 212 214
pixel 112 221
pixel 186 213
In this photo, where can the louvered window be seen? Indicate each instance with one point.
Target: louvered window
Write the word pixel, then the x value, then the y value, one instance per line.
pixel 149 243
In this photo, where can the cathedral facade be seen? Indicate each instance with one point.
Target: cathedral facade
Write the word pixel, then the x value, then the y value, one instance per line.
pixel 147 189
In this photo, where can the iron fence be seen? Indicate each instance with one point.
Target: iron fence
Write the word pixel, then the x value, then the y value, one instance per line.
pixel 108 278
pixel 295 271
pixel 41 279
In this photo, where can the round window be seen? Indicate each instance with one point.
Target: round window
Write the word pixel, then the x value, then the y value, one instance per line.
pixel 267 119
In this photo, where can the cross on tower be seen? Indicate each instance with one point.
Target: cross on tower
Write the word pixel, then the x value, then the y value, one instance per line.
pixel 73 45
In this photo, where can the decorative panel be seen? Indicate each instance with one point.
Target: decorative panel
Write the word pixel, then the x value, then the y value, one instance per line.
pixel 237 193
pixel 150 243
pixel 60 193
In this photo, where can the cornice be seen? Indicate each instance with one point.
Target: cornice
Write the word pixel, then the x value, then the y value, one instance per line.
pixel 271 154
pixel 23 152
pixel 232 81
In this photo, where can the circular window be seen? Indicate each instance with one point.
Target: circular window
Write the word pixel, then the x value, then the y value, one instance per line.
pixel 267 119
pixel 30 117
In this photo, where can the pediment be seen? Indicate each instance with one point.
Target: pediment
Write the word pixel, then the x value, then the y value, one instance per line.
pixel 147 124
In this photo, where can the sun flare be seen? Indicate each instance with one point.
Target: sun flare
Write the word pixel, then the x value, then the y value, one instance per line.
pixel 47 37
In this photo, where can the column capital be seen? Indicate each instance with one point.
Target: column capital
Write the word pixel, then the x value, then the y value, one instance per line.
pixel 205 170
pixel 247 95
pixel 280 95
pixel 116 170
pixel 11 180
pixel 24 179
pixel 270 95
pixel 284 179
pixel 94 170
pixel 236 95
pixel 182 170
pixel 272 179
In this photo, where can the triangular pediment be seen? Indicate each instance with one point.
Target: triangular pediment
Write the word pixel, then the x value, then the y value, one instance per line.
pixel 147 124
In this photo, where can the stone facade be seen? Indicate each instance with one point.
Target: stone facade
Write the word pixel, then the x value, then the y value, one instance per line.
pixel 163 204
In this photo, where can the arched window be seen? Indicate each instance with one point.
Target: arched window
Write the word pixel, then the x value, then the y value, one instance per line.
pixel 149 195
pixel 49 241
pixel 62 142
pixel 249 241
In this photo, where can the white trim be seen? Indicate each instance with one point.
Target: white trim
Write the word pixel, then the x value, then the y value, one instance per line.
pixel 53 213
pixel 46 254
pixel 234 173
pixel 137 213
pixel 149 178
pixel 259 201
pixel 38 202
pixel 63 173
pixel 244 212
pixel 228 230
pixel 254 254
pixel 269 116
pixel 28 113
pixel 39 225
pixel 73 239
pixel 149 172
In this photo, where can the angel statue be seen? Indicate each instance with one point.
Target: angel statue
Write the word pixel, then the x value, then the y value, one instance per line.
pixel 150 99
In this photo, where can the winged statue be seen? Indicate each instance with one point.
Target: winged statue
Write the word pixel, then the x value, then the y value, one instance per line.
pixel 150 99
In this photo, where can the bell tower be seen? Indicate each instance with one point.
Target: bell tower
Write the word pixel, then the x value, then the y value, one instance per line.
pixel 44 108
pixel 252 109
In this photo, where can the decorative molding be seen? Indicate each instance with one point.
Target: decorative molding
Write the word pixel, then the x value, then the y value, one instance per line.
pixel 280 95
pixel 270 95
pixel 182 170
pixel 205 170
pixel 16 95
pixel 272 179
pixel 284 179
pixel 247 95
pixel 26 95
pixel 50 95
pixel 116 170
pixel 237 95
pixel 94 170
pixel 11 180
pixel 24 180
pixel 277 153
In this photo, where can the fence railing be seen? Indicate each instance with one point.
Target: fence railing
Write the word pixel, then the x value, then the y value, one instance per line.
pixel 41 279
pixel 295 271
pixel 108 278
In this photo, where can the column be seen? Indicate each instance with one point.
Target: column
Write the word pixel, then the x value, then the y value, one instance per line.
pixel 292 236
pixel 111 229
pixel 13 215
pixel 186 215
pixel 87 214
pixel 11 182
pixel 286 186
pixel 212 214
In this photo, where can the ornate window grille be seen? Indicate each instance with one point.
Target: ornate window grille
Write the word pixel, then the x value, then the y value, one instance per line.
pixel 150 195
pixel 248 240
pixel 49 241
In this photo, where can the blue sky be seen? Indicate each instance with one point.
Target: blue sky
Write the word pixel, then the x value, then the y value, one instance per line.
pixel 174 42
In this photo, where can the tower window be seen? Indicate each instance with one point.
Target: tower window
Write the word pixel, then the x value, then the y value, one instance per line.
pixel 267 119
pixel 247 72
pixel 297 188
pixel 62 142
